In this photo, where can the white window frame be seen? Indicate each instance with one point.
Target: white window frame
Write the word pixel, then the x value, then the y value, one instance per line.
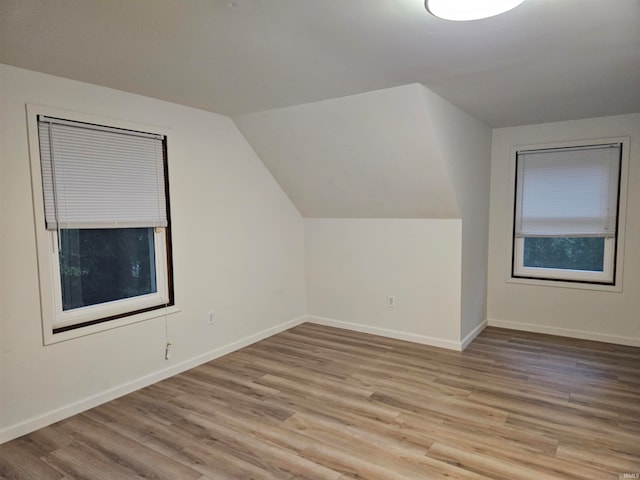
pixel 610 279
pixel 104 316
pixel 566 274
pixel 114 308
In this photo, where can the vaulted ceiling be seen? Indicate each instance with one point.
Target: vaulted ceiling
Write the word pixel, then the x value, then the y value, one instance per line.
pixel 546 60
pixel 374 154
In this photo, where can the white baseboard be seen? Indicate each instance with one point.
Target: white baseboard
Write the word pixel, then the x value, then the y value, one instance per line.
pixel 385 332
pixel 473 334
pixel 566 332
pixel 40 421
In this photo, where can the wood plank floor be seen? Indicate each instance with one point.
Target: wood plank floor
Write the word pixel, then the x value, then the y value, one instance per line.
pixel 321 403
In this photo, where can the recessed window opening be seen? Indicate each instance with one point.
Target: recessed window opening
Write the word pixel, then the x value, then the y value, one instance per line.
pixel 106 210
pixel 566 213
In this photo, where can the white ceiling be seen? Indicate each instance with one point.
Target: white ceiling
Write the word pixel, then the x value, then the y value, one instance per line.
pixel 547 60
pixel 371 155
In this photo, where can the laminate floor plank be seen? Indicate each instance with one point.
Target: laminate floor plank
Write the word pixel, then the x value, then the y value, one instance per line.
pixel 320 403
pixel 508 467
pixel 18 461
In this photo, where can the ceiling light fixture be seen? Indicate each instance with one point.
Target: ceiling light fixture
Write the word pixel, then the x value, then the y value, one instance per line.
pixel 461 10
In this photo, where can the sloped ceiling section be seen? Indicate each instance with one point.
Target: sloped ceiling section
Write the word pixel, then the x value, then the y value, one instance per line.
pixel 370 155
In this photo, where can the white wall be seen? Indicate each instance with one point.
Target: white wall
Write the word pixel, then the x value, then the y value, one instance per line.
pixel 371 155
pixel 353 264
pixel 464 144
pixel 599 315
pixel 401 152
pixel 238 248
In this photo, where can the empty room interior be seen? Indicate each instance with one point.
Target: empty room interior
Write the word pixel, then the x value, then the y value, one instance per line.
pixel 277 239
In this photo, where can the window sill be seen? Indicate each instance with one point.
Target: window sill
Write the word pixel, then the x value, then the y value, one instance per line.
pixel 577 285
pixel 51 338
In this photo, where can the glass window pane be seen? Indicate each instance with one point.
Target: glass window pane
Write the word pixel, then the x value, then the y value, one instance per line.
pixel 102 265
pixel 573 253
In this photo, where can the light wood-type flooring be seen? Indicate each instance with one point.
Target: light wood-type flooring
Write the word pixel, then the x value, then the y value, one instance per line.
pixel 322 403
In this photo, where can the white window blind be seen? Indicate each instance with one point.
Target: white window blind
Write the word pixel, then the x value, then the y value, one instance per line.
pixel 568 192
pixel 101 177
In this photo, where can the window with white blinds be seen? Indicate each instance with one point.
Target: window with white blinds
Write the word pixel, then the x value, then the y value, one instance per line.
pixel 101 177
pixel 568 192
pixel 101 205
pixel 567 212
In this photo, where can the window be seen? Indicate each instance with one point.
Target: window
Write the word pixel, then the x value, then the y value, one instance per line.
pixel 566 213
pixel 103 217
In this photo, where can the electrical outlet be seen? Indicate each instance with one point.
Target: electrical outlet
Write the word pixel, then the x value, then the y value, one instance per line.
pixel 211 319
pixel 391 301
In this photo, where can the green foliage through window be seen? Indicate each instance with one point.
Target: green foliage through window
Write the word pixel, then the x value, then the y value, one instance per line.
pixel 571 253
pixel 103 265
